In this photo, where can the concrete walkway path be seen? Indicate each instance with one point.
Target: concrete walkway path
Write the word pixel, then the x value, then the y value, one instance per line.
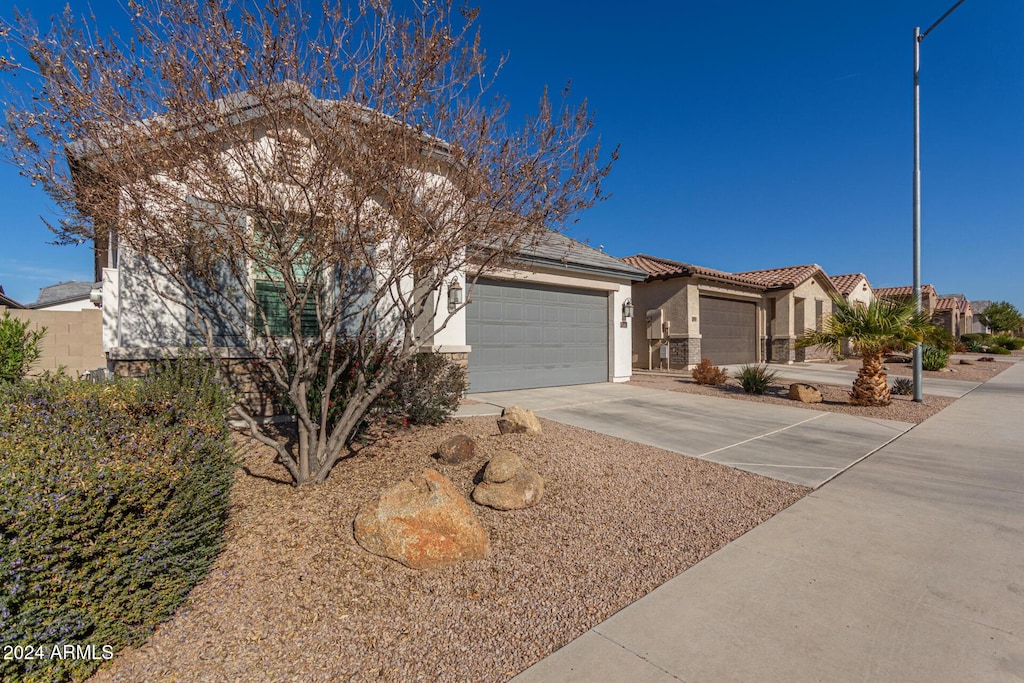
pixel 907 567
pixel 801 446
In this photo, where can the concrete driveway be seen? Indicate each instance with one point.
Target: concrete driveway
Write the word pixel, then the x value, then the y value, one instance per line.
pixel 797 445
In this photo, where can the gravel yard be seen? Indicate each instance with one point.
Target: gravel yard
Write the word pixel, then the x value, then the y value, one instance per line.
pixel 293 597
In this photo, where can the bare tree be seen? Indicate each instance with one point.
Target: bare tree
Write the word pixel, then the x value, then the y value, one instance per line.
pixel 305 181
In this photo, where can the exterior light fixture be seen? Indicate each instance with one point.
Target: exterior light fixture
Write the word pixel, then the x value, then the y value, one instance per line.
pixel 627 309
pixel 454 295
pixel 96 296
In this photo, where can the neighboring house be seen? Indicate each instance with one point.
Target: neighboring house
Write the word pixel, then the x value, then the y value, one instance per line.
pixel 555 315
pixel 978 327
pixel 953 312
pixel 854 287
pixel 797 298
pixel 928 296
pixel 8 302
pixel 66 296
pixel 686 312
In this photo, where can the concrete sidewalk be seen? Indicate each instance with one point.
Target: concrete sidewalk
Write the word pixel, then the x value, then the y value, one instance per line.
pixel 907 567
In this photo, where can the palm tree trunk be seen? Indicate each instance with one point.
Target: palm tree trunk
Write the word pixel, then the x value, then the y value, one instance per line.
pixel 871 387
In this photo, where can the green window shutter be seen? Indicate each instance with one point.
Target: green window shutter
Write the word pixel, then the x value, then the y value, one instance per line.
pixel 271 299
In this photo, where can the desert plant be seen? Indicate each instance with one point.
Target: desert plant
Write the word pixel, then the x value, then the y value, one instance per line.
pixel 940 338
pixel 903 386
pixel 19 347
pixel 428 392
pixel 996 350
pixel 1007 341
pixel 873 330
pixel 755 379
pixel 114 506
pixel 709 374
pixel 933 358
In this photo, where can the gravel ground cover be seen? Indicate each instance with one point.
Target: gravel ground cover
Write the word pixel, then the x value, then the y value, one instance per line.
pixel 979 372
pixel 835 398
pixel 294 598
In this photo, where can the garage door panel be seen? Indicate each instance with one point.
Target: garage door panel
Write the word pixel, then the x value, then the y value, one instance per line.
pixel 728 330
pixel 544 336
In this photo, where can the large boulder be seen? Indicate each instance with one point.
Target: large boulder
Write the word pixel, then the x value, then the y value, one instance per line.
pixel 518 420
pixel 805 393
pixel 423 523
pixel 456 450
pixel 508 485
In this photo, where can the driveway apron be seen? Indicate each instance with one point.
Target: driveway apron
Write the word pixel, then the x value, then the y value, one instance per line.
pixel 797 445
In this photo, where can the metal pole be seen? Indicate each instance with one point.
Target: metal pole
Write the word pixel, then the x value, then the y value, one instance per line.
pixel 918 388
pixel 918 37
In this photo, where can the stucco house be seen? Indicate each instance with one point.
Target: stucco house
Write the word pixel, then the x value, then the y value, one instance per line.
pixel 686 312
pixel 693 312
pixel 978 327
pixel 555 314
pixel 953 312
pixel 904 293
pixel 797 298
pixel 854 287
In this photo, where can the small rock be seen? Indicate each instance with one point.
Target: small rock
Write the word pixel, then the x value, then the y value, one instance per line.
pixel 421 522
pixel 518 420
pixel 458 449
pixel 502 467
pixel 804 393
pixel 966 361
pixel 523 490
pixel 987 359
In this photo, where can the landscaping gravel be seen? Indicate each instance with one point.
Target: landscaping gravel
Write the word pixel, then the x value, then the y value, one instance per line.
pixel 294 598
pixel 835 398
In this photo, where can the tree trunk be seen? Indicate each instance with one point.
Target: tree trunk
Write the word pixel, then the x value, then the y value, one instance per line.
pixel 871 387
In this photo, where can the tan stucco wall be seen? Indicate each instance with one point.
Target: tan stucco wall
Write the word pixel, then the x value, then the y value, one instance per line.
pixel 671 297
pixel 74 339
pixel 796 312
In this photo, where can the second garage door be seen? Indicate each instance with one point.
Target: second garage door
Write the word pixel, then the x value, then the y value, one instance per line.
pixel 525 336
pixel 728 330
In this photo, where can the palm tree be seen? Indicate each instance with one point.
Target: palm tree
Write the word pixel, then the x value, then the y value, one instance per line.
pixel 873 330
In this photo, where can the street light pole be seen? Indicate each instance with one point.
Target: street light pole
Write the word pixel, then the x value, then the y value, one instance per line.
pixel 918 37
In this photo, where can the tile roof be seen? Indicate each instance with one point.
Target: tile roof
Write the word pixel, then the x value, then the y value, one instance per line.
pixel 785 278
pixel 8 301
pixel 904 292
pixel 660 269
pixel 846 283
pixel 952 303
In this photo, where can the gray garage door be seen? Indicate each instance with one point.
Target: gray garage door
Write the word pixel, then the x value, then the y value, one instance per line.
pixel 728 330
pixel 526 336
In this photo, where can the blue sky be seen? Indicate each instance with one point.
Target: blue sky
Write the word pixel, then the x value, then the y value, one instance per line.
pixel 753 135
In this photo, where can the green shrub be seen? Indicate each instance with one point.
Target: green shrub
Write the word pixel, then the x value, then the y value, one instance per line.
pixel 1006 341
pixel 933 358
pixel 709 374
pixel 940 338
pixel 755 379
pixel 902 386
pixel 428 391
pixel 996 350
pixel 114 502
pixel 19 348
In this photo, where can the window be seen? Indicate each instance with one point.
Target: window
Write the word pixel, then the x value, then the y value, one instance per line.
pixel 271 297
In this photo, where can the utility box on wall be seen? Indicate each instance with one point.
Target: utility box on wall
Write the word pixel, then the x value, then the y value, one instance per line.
pixel 655 324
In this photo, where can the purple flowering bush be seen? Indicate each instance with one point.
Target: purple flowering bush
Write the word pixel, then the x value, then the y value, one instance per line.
pixel 115 498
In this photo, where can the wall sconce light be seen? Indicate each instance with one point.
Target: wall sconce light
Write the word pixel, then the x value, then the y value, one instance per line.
pixel 96 296
pixel 627 309
pixel 454 295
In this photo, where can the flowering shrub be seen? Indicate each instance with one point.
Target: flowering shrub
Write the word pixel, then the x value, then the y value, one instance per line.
pixel 114 502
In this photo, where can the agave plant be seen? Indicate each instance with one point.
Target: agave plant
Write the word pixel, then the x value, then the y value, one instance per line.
pixel 873 330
